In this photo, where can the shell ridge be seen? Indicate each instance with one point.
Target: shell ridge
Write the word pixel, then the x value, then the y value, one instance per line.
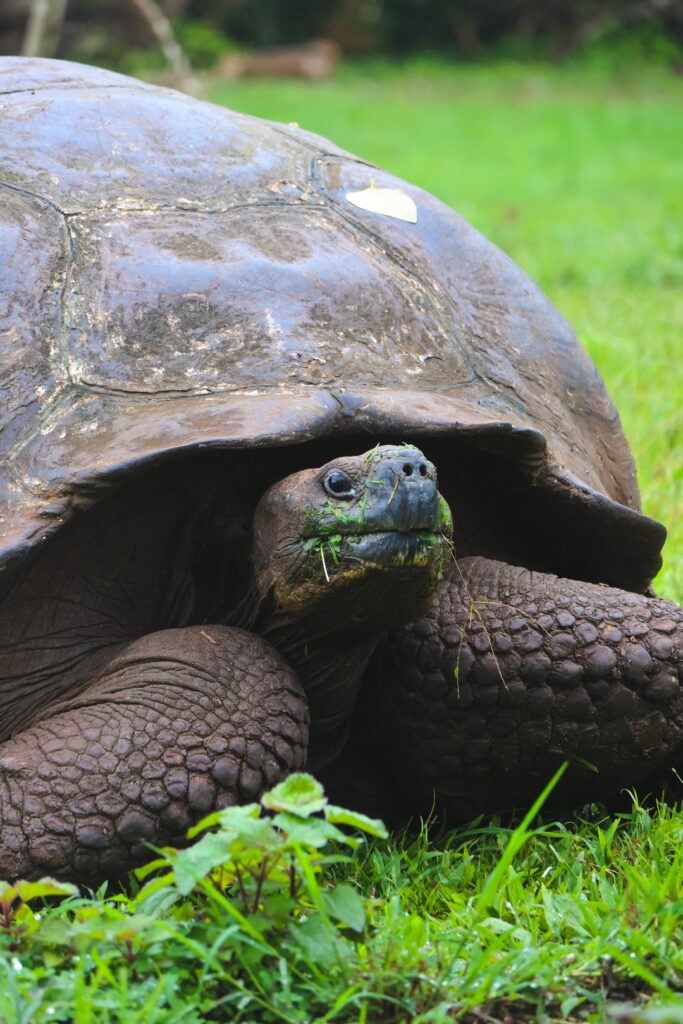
pixel 53 402
pixel 36 196
pixel 63 86
pixel 105 213
pixel 61 344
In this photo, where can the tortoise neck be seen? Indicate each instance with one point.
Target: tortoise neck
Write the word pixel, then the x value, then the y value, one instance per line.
pixel 331 665
pixel 330 634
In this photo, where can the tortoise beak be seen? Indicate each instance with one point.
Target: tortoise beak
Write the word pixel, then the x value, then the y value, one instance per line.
pixel 402 492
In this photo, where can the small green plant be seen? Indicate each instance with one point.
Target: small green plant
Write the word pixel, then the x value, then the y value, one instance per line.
pixel 269 864
pixel 249 905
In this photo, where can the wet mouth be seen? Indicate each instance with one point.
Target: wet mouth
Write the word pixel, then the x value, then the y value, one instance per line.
pixel 382 547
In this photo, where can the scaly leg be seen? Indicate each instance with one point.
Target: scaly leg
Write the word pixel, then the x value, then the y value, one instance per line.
pixel 512 672
pixel 180 722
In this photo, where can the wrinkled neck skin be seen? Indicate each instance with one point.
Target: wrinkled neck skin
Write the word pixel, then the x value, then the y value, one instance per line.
pixel 330 648
pixel 331 668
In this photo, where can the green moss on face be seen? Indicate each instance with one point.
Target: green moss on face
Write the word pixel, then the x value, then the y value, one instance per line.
pixel 311 520
pixel 445 517
pixel 333 519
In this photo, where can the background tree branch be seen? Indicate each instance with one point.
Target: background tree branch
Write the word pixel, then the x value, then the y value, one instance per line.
pixel 162 29
pixel 44 28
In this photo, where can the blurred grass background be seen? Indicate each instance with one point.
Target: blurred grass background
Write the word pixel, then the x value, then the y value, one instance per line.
pixel 578 175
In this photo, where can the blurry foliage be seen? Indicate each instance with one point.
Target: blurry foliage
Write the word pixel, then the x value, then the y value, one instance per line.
pixel 617 47
pixel 202 44
pixel 94 34
pixel 267 22
pixel 467 28
pixel 103 30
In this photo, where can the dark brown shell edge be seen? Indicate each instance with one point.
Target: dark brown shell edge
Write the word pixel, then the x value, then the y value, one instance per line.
pixel 75 422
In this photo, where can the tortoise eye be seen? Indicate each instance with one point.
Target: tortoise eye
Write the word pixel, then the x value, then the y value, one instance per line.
pixel 338 484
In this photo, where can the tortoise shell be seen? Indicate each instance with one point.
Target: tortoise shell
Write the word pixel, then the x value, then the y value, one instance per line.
pixel 177 276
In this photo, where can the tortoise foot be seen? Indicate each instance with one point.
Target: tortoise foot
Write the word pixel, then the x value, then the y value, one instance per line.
pixel 181 722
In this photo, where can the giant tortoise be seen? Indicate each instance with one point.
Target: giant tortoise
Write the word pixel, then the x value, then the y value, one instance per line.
pixel 195 309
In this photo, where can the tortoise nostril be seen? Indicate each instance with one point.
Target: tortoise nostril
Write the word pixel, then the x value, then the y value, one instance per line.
pixel 407 469
pixel 423 469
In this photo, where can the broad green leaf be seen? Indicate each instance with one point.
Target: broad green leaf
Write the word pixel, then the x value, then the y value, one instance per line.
pixel 242 838
pixel 8 893
pixel 27 891
pixel 299 794
pixel 344 904
pixel 229 817
pixel 195 863
pixel 322 944
pixel 145 870
pixel 256 834
pixel 307 831
pixel 53 959
pixel 354 819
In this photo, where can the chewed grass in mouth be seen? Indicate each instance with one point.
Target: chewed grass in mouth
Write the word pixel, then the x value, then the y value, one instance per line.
pixel 387 549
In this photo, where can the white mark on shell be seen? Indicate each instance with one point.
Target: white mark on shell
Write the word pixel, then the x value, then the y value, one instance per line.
pixel 389 202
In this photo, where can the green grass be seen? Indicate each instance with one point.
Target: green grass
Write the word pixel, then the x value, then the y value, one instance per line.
pixel 270 920
pixel 579 179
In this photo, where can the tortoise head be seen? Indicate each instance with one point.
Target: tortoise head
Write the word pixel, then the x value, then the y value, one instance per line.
pixel 363 540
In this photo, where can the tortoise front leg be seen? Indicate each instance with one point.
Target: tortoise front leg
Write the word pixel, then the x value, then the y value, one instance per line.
pixel 180 722
pixel 512 672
